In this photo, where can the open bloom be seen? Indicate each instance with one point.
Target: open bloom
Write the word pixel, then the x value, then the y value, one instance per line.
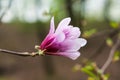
pixel 64 41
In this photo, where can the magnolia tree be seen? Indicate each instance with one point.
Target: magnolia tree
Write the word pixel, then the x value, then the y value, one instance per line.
pixel 65 41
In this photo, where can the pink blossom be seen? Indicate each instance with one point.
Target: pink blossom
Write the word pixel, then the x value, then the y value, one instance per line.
pixel 64 41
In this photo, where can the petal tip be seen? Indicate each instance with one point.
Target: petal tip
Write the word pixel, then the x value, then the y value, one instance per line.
pixel 52 26
pixel 83 42
pixel 73 55
pixel 69 19
pixel 52 18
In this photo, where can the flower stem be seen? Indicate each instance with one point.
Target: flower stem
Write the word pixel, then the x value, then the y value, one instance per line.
pixel 18 53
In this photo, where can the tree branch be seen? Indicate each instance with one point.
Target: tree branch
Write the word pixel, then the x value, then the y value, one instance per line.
pixel 18 53
pixel 111 34
pixel 109 60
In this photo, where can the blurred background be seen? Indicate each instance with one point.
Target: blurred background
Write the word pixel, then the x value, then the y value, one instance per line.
pixel 25 23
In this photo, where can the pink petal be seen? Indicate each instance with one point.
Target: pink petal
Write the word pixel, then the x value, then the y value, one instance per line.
pixel 52 26
pixel 47 41
pixel 72 45
pixel 49 35
pixel 71 55
pixel 60 37
pixel 63 24
pixel 74 32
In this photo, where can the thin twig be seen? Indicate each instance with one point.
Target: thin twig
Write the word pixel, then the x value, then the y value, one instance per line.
pixel 109 60
pixel 18 53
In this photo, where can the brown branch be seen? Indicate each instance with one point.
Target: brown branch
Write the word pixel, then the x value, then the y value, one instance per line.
pixel 109 60
pixel 18 53
pixel 102 33
pixel 111 34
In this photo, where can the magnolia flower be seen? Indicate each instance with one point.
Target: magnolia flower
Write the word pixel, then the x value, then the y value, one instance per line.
pixel 64 41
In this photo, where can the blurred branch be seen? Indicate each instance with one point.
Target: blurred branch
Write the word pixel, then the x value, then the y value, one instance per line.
pixel 18 53
pixel 101 33
pixel 106 9
pixel 111 34
pixel 9 5
pixel 92 70
pixel 69 9
pixel 109 60
pixel 97 71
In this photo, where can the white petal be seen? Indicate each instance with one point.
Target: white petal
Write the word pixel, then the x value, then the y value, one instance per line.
pixel 83 42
